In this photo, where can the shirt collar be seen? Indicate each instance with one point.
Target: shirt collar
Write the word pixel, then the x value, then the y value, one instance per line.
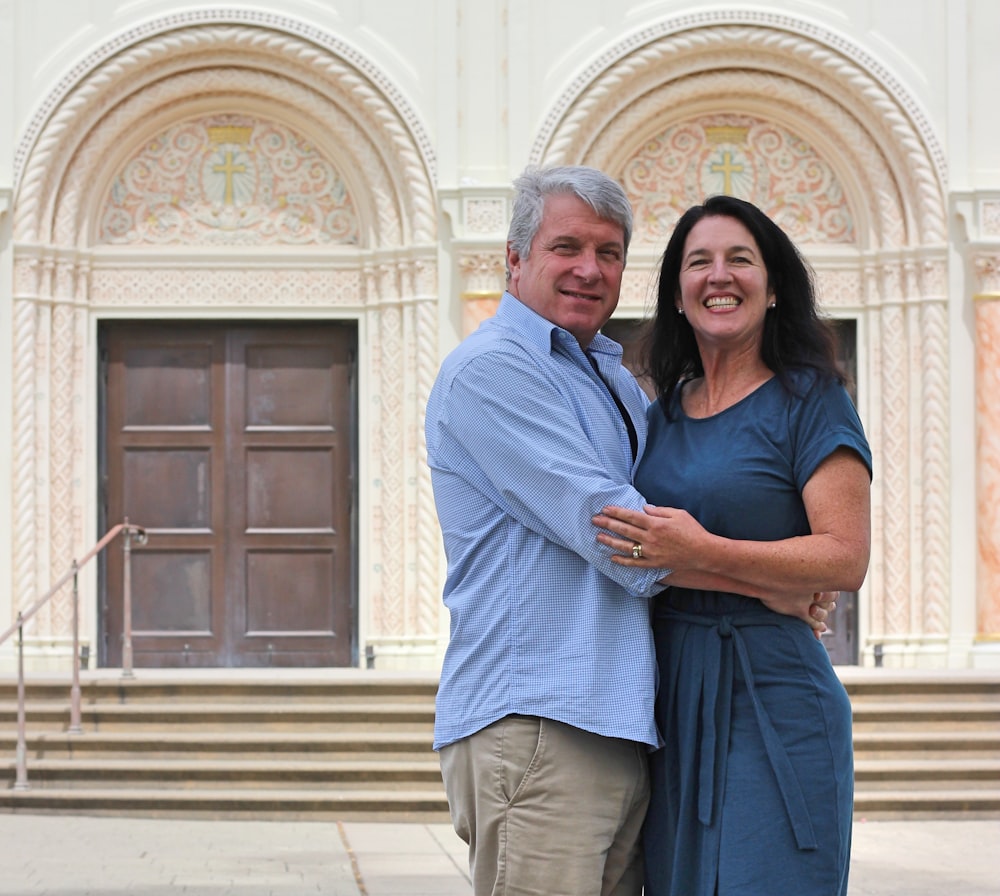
pixel 544 334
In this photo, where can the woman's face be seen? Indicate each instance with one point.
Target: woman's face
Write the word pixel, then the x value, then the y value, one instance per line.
pixel 723 288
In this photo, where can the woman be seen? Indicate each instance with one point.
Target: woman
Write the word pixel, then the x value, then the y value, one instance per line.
pixel 760 472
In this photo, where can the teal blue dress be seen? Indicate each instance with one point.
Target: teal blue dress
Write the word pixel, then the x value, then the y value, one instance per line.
pixel 753 793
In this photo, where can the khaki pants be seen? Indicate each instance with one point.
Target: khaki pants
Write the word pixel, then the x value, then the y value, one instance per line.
pixel 548 809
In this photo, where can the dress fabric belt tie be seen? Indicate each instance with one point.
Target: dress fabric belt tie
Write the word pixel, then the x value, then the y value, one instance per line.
pixel 716 714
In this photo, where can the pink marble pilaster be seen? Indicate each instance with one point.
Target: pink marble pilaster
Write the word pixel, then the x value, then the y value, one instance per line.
pixel 988 465
pixel 477 307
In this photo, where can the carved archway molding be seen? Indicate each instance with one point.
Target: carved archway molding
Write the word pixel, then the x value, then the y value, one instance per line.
pixel 168 70
pixel 387 101
pixel 790 49
pixel 876 138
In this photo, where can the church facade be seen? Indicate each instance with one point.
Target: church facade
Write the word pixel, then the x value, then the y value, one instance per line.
pixel 236 242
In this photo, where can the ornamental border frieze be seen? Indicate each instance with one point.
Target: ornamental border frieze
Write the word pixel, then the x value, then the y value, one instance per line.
pixel 839 288
pixel 190 287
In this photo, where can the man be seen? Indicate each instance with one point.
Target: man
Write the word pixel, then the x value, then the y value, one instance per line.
pixel 545 705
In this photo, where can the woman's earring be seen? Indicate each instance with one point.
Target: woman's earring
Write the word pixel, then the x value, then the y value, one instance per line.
pixel 772 305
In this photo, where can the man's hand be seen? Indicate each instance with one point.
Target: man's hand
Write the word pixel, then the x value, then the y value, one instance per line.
pixel 813 609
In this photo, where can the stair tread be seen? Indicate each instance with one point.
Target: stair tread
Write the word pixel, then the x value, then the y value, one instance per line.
pixel 274 795
pixel 911 795
pixel 237 737
pixel 985 736
pixel 954 763
pixel 944 702
pixel 231 764
pixel 947 762
pixel 232 707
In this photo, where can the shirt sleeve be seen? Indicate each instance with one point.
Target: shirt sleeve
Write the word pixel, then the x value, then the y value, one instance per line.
pixel 539 451
pixel 826 420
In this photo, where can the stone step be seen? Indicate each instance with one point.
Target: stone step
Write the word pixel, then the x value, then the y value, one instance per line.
pixel 242 773
pixel 946 774
pixel 867 745
pixel 936 774
pixel 959 803
pixel 407 804
pixel 222 685
pixel 911 684
pixel 318 804
pixel 928 744
pixel 926 712
pixel 222 744
pixel 291 715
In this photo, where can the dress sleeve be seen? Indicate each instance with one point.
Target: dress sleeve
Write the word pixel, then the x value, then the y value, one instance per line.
pixel 823 420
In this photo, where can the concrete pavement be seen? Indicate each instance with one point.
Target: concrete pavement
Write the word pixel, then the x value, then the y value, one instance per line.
pixel 58 855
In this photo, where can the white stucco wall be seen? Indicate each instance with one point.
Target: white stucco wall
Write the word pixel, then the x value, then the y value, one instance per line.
pixel 481 80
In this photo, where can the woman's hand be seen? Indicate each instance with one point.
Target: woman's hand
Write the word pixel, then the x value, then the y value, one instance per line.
pixel 659 538
pixel 668 538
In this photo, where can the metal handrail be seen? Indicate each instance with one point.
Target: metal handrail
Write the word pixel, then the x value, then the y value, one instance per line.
pixel 131 532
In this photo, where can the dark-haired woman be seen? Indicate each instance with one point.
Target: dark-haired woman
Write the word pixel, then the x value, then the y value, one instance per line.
pixel 760 474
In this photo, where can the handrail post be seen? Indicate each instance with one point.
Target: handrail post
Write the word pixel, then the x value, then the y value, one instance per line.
pixel 74 692
pixel 23 616
pixel 127 603
pixel 21 780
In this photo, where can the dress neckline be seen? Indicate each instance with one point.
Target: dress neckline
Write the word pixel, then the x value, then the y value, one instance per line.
pixel 683 412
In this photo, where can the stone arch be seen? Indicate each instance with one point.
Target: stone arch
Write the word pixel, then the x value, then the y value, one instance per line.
pixel 875 139
pixel 124 92
pixel 182 54
pixel 791 50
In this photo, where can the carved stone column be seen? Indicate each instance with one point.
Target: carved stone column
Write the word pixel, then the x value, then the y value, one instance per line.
pixel 482 278
pixel 481 223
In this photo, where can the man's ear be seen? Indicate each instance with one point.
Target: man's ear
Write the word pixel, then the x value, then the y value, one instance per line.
pixel 513 264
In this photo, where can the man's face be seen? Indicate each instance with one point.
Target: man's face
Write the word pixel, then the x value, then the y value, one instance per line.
pixel 573 274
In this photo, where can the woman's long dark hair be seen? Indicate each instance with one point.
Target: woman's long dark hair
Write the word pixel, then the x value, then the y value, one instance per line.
pixel 794 334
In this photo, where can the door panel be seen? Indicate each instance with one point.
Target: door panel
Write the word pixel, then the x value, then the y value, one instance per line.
pixel 233 445
pixel 164 468
pixel 291 493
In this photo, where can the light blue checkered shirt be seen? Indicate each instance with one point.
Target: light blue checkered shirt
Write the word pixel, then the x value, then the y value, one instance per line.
pixel 525 444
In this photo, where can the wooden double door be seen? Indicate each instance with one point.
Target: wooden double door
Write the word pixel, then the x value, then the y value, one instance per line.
pixel 234 446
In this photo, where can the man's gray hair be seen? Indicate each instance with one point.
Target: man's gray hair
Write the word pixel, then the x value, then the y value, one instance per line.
pixel 601 192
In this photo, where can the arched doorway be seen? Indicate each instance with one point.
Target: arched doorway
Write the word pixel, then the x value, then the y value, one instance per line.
pixel 220 173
